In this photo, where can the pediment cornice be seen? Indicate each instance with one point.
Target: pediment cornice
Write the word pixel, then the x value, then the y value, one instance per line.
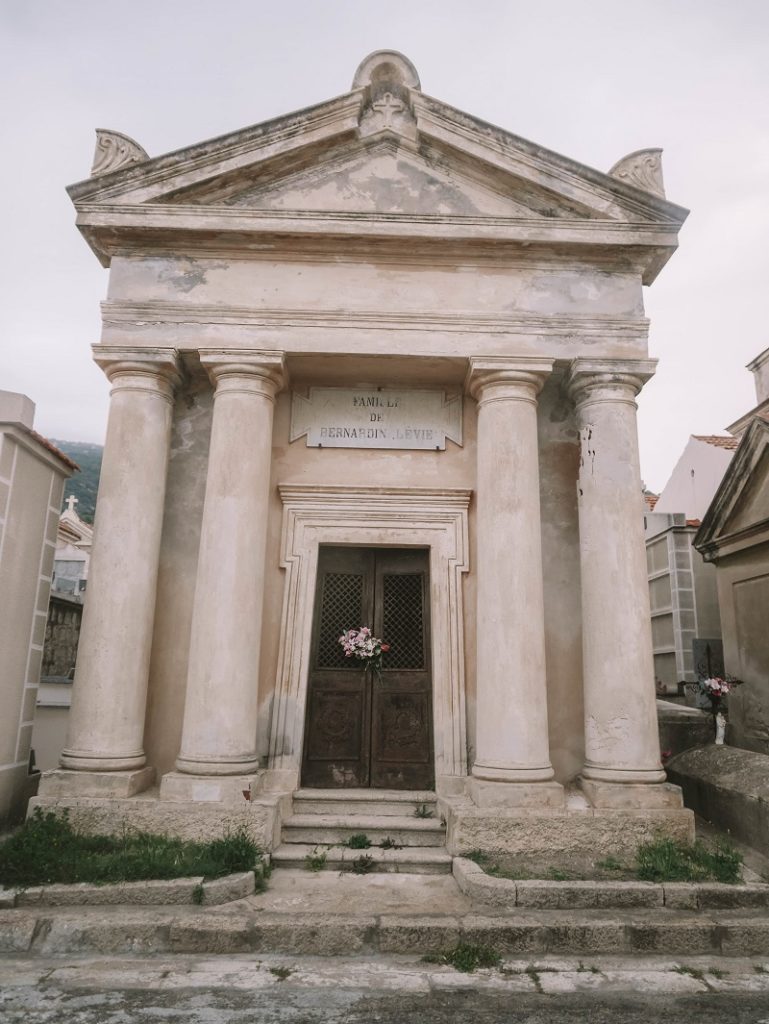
pixel 516 191
pixel 726 527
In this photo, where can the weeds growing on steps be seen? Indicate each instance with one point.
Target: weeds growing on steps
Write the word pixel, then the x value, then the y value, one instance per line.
pixel 316 861
pixel 467 957
pixel 423 811
pixel 362 865
pixel 360 841
pixel 281 973
pixel 47 849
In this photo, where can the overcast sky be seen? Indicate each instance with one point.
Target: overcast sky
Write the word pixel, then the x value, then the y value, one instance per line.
pixel 593 80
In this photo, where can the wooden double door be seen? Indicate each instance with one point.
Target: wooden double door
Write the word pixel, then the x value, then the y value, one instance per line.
pixel 363 728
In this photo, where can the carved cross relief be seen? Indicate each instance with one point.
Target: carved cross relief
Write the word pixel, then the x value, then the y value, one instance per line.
pixel 388 106
pixel 388 113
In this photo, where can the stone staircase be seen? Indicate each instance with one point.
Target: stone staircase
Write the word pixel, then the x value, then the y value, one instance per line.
pixel 323 821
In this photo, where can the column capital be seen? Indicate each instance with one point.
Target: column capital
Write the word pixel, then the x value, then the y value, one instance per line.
pixel 608 380
pixel 491 378
pixel 140 368
pixel 255 371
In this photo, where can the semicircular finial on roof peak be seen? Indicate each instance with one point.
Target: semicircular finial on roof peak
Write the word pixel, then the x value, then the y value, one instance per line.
pixel 387 64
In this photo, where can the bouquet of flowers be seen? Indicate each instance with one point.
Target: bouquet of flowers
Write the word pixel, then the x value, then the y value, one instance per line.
pixel 360 644
pixel 715 689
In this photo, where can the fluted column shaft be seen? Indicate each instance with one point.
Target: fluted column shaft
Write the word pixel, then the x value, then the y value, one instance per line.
pixel 106 722
pixel 512 730
pixel 621 736
pixel 220 713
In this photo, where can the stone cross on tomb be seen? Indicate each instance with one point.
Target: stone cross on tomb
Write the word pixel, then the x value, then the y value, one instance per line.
pixel 388 106
pixel 71 502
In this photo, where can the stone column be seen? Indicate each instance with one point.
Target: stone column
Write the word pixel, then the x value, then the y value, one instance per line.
pixel 512 762
pixel 106 722
pixel 220 712
pixel 621 737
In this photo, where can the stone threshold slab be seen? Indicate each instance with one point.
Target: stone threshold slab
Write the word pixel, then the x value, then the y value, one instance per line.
pixel 61 931
pixel 383 973
pixel 544 894
pixel 155 892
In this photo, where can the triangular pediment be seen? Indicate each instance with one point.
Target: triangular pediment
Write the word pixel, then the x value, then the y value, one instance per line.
pixel 384 149
pixel 741 503
pixel 387 177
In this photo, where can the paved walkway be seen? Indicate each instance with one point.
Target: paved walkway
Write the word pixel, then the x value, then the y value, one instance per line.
pixel 309 990
pixel 334 892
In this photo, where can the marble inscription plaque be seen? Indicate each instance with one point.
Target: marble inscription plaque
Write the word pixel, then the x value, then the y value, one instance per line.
pixel 376 418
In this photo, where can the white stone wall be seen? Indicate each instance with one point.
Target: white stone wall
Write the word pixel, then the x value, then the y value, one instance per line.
pixel 31 484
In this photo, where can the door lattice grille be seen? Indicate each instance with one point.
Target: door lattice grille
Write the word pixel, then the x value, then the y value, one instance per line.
pixel 403 621
pixel 341 609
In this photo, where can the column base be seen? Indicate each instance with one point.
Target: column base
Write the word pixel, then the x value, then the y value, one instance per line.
pixel 540 795
pixel 83 761
pixel 497 773
pixel 192 766
pixel 631 795
pixel 60 782
pixel 225 789
pixel 597 773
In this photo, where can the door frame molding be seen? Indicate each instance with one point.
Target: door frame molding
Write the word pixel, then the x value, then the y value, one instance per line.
pixel 421 517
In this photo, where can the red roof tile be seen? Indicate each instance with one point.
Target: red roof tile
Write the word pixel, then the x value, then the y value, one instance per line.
pixel 54 450
pixel 718 440
pixel 651 500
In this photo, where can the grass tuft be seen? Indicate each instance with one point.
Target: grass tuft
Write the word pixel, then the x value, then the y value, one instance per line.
pixel 666 860
pixel 47 849
pixel 468 958
pixel 281 973
pixel 389 844
pixel 610 864
pixel 423 811
pixel 362 865
pixel 316 861
pixel 360 841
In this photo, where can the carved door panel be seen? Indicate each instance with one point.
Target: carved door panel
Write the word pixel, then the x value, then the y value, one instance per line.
pixel 362 730
pixel 401 712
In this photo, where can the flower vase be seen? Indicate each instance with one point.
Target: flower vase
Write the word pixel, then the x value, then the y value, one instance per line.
pixel 720 728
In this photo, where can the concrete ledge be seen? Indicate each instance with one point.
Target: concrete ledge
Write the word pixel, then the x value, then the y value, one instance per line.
pixel 546 895
pixel 681 727
pixel 577 833
pixel 198 820
pixel 229 888
pixel 729 787
pixel 146 893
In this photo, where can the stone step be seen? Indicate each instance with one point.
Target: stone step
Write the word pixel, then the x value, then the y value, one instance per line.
pixel 398 802
pixel 53 932
pixel 410 860
pixel 334 830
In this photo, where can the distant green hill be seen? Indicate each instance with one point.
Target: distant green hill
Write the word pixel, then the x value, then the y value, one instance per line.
pixel 84 484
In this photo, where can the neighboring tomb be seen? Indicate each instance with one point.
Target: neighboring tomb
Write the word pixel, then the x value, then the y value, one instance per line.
pixel 373 363
pixel 74 540
pixel 32 475
pixel 734 536
pixel 686 624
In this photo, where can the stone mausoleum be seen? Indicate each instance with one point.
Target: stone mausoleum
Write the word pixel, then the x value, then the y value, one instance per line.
pixel 373 363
